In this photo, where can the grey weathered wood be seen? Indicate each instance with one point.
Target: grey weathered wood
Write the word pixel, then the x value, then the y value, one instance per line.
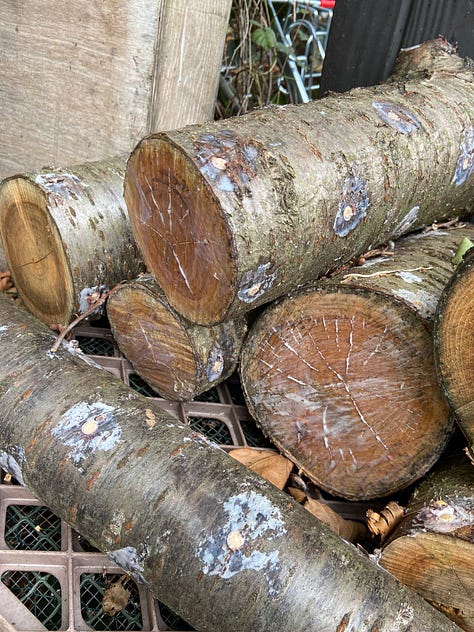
pixel 87 80
pixel 216 543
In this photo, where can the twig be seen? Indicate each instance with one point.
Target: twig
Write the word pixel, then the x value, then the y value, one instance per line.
pixel 65 330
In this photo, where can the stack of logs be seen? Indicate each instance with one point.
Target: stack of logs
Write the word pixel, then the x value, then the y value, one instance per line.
pixel 292 243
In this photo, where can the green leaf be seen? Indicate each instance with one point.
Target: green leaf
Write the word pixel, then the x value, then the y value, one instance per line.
pixel 464 245
pixel 264 37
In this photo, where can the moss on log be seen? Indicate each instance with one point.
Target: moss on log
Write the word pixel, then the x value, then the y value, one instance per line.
pixel 67 236
pixel 454 342
pixel 177 358
pixel 233 214
pixel 216 543
pixel 341 375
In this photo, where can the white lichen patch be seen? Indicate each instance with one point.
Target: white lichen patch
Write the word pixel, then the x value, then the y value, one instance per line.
pixel 10 464
pixel 255 283
pixel 424 302
pixel 407 222
pixel 440 516
pixel 409 277
pixel 3 330
pixel 85 428
pixel 130 560
pixel 251 520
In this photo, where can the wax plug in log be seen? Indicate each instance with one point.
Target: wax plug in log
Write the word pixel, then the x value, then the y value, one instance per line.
pixel 432 549
pixel 67 237
pixel 178 359
pixel 454 344
pixel 341 375
pixel 216 543
pixel 233 214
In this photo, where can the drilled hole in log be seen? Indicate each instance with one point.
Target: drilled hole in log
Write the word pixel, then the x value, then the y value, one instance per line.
pixel 343 382
pixel 181 231
pixel 34 251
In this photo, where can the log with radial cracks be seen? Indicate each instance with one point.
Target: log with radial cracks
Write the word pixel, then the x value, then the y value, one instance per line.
pixel 233 214
pixel 178 359
pixel 454 344
pixel 432 550
pixel 341 375
pixel 67 236
pixel 216 543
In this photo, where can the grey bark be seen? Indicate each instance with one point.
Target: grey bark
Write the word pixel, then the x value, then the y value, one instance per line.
pixel 233 214
pixel 166 505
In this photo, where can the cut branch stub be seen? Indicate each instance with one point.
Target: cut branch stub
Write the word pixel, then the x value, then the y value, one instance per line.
pixel 454 344
pixel 233 214
pixel 343 382
pixel 67 236
pixel 178 359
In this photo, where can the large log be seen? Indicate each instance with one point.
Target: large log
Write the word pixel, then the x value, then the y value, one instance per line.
pixel 432 550
pixel 67 236
pixel 219 545
pixel 454 341
pixel 177 358
pixel 89 82
pixel 232 214
pixel 341 375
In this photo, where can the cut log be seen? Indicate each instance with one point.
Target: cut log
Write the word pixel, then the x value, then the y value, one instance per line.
pixel 89 82
pixel 178 359
pixel 233 214
pixel 454 342
pixel 432 551
pixel 216 543
pixel 67 236
pixel 341 376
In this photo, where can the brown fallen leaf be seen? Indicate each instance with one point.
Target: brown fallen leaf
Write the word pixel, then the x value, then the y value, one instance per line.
pixel 5 281
pixel 115 597
pixel 272 466
pixel 350 530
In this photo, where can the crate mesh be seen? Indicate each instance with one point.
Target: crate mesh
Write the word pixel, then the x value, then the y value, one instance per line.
pixel 136 382
pixel 92 590
pixel 39 592
pixel 213 429
pixel 32 528
pixel 96 346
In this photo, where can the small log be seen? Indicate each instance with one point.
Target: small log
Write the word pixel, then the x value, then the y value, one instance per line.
pixel 432 551
pixel 454 342
pixel 67 236
pixel 216 543
pixel 341 376
pixel 178 359
pixel 233 214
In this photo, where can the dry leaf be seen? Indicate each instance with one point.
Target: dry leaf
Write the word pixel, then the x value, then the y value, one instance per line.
pixel 272 466
pixel 115 597
pixel 297 494
pixel 348 529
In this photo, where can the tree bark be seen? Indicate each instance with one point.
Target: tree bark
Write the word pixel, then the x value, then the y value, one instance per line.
pixel 178 359
pixel 432 550
pixel 87 83
pixel 216 543
pixel 233 214
pixel 341 376
pixel 454 341
pixel 67 236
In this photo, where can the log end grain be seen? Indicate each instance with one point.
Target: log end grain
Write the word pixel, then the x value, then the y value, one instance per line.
pixel 34 251
pixel 438 567
pixel 178 359
pixel 180 229
pixel 454 341
pixel 343 382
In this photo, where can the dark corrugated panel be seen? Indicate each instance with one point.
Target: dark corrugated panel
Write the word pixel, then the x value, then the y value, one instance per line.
pixel 453 19
pixel 366 36
pixel 363 43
